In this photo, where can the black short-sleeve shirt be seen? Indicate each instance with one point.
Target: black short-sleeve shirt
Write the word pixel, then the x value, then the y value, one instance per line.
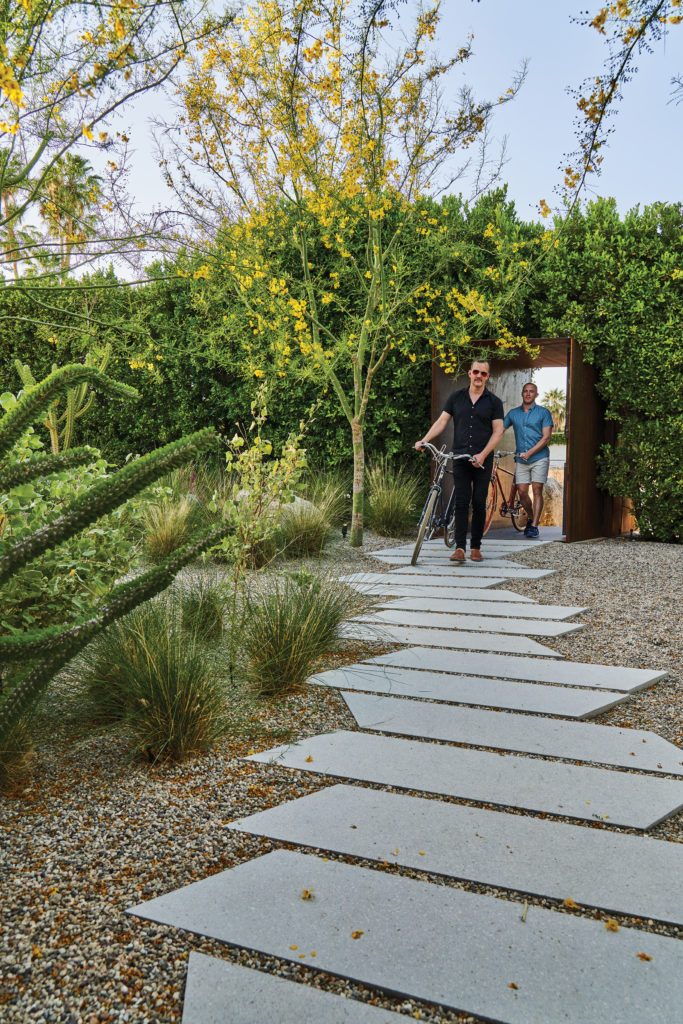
pixel 472 421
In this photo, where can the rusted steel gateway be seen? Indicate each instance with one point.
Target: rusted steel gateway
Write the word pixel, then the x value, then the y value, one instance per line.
pixel 588 511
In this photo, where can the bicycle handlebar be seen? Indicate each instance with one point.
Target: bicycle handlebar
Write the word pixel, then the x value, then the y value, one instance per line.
pixel 439 453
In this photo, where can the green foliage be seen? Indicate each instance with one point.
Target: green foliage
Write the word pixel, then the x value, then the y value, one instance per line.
pixel 617 286
pixel 202 608
pixel 151 672
pixel 306 524
pixel 290 628
pixel 16 752
pixel 168 525
pixel 79 399
pixel 638 467
pixel 31 657
pixel 66 578
pixel 558 438
pixel 261 485
pixel 393 498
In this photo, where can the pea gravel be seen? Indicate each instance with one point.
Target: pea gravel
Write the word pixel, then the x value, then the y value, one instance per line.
pixel 95 830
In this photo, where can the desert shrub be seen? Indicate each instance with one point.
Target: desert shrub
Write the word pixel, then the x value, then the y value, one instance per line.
pixel 289 629
pixel 153 674
pixel 393 497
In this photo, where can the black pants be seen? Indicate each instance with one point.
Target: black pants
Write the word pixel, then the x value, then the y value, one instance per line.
pixel 471 487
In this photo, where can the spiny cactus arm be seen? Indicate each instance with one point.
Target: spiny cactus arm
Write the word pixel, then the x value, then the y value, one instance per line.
pixel 44 465
pixel 103 497
pixel 24 371
pixel 17 647
pixel 36 400
pixel 17 701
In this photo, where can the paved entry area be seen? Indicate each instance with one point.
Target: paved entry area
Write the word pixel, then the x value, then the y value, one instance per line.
pixel 474 745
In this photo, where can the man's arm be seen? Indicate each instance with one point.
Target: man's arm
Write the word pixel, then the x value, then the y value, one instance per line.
pixel 545 440
pixel 498 431
pixel 437 427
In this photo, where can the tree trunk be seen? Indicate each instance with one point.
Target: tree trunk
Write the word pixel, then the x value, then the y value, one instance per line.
pixel 356 538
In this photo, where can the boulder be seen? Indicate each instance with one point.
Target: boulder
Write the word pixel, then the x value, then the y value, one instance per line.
pixel 553 496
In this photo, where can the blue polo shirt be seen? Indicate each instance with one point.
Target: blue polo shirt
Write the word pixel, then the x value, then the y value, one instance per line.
pixel 528 427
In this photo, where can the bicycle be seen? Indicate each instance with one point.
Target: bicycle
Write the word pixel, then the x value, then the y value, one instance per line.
pixel 434 517
pixel 510 506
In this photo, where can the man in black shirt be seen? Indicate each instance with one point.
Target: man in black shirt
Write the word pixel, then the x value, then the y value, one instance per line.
pixel 477 428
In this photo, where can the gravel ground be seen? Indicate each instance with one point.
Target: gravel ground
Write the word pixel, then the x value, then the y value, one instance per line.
pixel 96 830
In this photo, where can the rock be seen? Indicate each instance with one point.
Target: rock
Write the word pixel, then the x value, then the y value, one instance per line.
pixel 553 496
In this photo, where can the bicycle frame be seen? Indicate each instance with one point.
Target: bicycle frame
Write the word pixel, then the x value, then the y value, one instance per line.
pixel 510 506
pixel 434 517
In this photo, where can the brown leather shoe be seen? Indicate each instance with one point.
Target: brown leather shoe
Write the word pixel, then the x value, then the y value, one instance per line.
pixel 475 555
pixel 458 555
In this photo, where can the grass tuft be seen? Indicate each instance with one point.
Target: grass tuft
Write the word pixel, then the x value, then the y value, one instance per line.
pixel 201 610
pixel 168 525
pixel 16 755
pixel 287 631
pixel 393 498
pixel 157 678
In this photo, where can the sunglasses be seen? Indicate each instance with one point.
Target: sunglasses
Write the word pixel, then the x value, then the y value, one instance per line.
pixel 480 373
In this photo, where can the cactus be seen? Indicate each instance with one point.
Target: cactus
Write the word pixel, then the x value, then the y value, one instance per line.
pixel 78 401
pixel 35 656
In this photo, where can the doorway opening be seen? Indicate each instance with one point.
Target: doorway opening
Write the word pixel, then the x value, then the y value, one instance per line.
pixel 582 511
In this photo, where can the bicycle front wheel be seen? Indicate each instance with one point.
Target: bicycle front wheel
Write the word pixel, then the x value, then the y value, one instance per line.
pixel 519 516
pixel 491 501
pixel 449 532
pixel 425 522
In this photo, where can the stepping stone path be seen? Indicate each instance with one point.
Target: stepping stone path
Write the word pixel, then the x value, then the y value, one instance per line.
pixel 467 651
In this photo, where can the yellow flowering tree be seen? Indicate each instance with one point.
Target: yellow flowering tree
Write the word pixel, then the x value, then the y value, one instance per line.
pixel 317 142
pixel 67 68
pixel 630 28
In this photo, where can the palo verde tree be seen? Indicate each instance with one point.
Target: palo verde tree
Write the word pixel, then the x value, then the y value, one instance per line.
pixel 67 71
pixel 631 28
pixel 322 147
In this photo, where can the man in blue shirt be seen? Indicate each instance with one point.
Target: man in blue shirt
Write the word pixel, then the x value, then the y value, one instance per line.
pixel 533 426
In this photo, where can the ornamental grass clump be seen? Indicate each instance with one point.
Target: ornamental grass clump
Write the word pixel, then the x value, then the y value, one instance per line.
pixel 16 755
pixel 168 525
pixel 156 677
pixel 306 524
pixel 287 631
pixel 393 498
pixel 202 610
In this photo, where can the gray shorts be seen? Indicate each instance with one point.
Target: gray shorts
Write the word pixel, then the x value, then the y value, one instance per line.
pixel 532 472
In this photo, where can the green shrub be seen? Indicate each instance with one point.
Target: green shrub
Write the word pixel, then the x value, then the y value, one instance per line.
pixel 155 676
pixel 393 497
pixel 55 585
pixel 635 467
pixel 288 630
pixel 558 438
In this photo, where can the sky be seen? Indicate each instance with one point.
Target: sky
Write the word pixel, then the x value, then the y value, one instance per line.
pixel 643 159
